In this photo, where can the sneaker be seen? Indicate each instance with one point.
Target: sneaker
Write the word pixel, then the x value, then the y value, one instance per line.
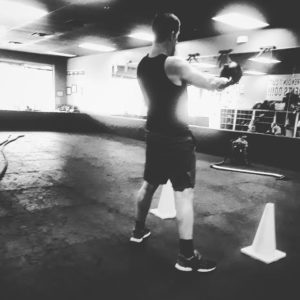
pixel 139 235
pixel 194 263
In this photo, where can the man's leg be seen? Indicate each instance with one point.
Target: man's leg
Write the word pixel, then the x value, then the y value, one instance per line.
pixel 144 199
pixel 185 213
pixel 185 220
pixel 188 258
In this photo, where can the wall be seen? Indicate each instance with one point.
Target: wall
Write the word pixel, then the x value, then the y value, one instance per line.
pixel 60 64
pixel 265 149
pixel 47 121
pixel 97 91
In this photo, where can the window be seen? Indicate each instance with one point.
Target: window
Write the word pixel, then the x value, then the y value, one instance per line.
pixel 26 86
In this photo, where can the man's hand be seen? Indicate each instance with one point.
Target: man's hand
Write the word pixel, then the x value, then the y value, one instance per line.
pixel 223 83
pixel 233 72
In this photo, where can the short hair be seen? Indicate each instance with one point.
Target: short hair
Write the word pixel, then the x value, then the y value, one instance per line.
pixel 163 25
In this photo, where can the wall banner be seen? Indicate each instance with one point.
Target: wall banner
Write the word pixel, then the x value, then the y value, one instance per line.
pixel 279 85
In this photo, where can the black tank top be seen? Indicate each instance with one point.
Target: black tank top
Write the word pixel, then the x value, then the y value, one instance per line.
pixel 167 103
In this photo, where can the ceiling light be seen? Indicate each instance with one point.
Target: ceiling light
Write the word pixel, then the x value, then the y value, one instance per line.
pixel 60 54
pixel 142 36
pixel 253 72
pixel 96 47
pixel 20 12
pixel 265 60
pixel 203 65
pixel 42 39
pixel 240 21
pixel 265 56
pixel 40 67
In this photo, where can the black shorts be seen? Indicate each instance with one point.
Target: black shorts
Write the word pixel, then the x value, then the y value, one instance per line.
pixel 170 158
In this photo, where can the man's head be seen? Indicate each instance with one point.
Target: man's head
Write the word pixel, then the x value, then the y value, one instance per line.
pixel 166 28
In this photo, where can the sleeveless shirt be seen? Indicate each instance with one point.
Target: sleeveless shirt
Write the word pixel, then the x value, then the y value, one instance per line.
pixel 167 103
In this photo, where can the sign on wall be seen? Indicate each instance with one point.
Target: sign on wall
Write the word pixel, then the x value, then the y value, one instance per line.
pixel 279 85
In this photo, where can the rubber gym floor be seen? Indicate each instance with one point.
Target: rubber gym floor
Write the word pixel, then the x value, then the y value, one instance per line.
pixel 67 206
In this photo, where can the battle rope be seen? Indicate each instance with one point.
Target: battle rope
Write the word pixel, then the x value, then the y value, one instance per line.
pixel 2 145
pixel 218 166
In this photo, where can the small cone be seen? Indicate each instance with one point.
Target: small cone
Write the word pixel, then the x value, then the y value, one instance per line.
pixel 264 245
pixel 166 204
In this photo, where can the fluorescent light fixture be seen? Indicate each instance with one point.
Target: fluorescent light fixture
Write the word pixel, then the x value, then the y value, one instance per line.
pixel 60 54
pixel 144 36
pixel 265 60
pixel 240 21
pixel 203 65
pixel 40 67
pixel 42 39
pixel 20 12
pixel 47 37
pixel 96 47
pixel 253 72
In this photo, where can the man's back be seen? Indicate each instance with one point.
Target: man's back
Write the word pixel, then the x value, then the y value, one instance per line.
pixel 167 103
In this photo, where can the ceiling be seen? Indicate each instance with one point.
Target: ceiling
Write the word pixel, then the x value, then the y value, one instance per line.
pixel 71 22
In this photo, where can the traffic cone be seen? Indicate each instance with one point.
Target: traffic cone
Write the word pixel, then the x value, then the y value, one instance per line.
pixel 166 205
pixel 264 245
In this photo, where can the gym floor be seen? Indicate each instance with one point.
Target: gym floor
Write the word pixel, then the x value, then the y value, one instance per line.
pixel 67 206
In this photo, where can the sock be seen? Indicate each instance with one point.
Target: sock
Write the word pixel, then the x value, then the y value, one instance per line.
pixel 139 225
pixel 186 248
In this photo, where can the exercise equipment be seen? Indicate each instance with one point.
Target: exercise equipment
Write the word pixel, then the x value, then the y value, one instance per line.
pixel 2 145
pixel 224 57
pixel 219 166
pixel 229 69
pixel 193 57
pixel 232 71
pixel 239 155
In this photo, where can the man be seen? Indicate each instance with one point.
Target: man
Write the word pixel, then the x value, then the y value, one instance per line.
pixel 170 147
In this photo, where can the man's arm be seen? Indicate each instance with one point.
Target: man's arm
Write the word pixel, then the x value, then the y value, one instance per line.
pixel 144 92
pixel 179 71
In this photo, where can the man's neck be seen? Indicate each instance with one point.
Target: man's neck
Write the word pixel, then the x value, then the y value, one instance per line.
pixel 159 48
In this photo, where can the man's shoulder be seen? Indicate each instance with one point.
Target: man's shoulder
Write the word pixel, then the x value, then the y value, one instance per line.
pixel 175 61
pixel 175 65
pixel 141 64
pixel 142 59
